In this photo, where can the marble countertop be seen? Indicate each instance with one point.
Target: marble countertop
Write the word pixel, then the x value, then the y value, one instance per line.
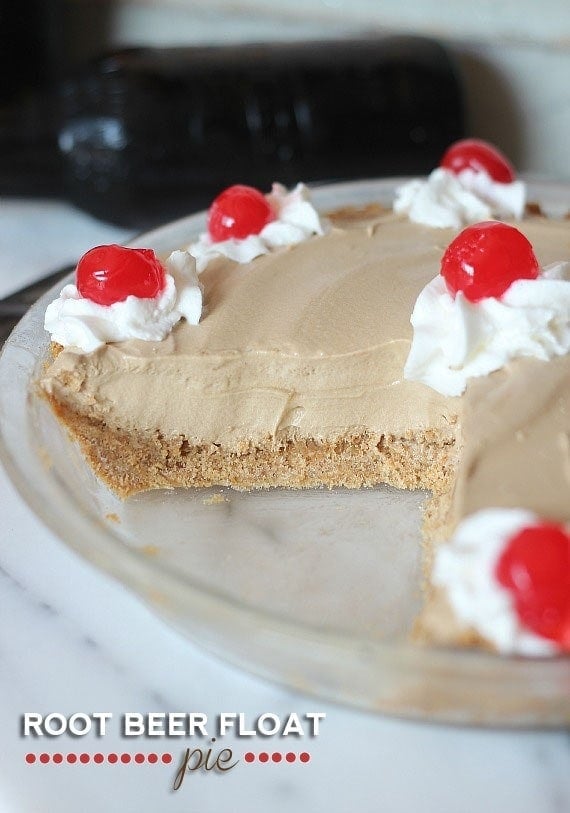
pixel 73 640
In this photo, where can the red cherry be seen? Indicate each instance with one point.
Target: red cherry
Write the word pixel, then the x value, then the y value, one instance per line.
pixel 108 274
pixel 484 259
pixel 535 568
pixel 238 211
pixel 475 154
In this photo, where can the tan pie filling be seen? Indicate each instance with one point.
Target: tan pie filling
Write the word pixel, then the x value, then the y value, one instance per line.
pixel 294 377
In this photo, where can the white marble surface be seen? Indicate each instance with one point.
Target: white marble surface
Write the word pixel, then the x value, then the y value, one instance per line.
pixel 73 640
pixel 60 232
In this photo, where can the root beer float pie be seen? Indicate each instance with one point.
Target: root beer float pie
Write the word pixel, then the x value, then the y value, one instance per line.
pixel 278 350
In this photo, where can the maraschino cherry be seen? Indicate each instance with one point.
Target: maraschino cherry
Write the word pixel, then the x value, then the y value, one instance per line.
pixel 237 212
pixel 535 568
pixel 475 154
pixel 486 258
pixel 108 274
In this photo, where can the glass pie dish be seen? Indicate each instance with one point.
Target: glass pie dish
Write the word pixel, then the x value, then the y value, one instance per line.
pixel 315 589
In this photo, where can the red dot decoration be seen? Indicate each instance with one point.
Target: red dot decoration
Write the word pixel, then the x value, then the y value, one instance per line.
pixel 124 758
pixel 276 757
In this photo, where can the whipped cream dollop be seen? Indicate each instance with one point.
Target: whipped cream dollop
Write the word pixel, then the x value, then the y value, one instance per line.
pixel 296 219
pixel 465 568
pixel 449 200
pixel 75 321
pixel 455 339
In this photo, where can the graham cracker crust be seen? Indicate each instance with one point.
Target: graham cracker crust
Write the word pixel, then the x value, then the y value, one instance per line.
pixel 130 462
pixel 437 622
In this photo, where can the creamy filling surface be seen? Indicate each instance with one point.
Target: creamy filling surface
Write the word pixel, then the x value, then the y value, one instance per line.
pixel 311 339
pixel 516 430
pixel 516 421
pixel 314 340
